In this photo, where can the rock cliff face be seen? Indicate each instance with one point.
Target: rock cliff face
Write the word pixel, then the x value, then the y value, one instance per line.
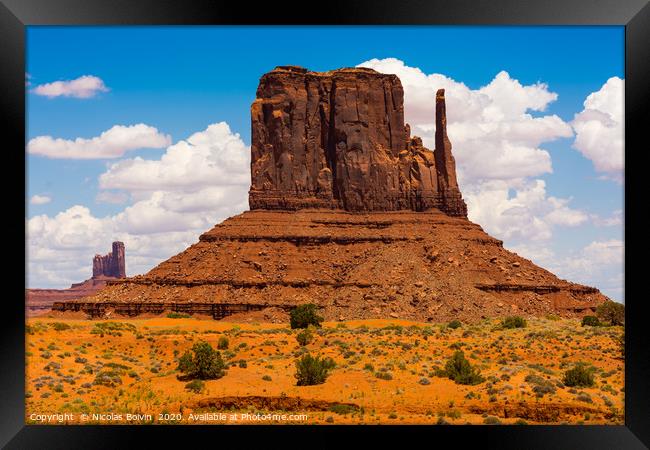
pixel 112 264
pixel 338 140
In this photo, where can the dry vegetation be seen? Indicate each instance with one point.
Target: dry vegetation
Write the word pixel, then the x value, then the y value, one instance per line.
pixel 387 371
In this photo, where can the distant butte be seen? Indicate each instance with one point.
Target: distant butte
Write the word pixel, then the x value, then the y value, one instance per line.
pixel 107 267
pixel 350 212
pixel 112 265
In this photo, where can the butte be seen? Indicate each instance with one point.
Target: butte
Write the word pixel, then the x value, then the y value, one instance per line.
pixel 106 267
pixel 350 212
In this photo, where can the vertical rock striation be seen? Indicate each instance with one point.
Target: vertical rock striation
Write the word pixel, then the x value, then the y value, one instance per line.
pixel 338 140
pixel 112 264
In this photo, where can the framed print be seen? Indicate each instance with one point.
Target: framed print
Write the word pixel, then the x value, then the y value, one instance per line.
pixel 413 216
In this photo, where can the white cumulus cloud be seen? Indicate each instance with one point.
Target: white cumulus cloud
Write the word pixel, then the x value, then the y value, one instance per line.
pixel 39 199
pixel 493 134
pixel 212 157
pixel 599 129
pixel 600 263
pixel 614 220
pixel 116 198
pixel 112 143
pixel 194 185
pixel 525 213
pixel 498 146
pixel 86 86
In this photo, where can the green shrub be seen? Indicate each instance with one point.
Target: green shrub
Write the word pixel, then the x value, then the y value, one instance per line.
pixel 579 376
pixel 205 363
pixel 177 315
pixel 541 386
pixel 611 312
pixel 513 322
pixel 384 375
pixel 195 386
pixel 343 409
pixel 222 343
pixel 267 378
pixel 454 324
pixel 110 378
pixel 312 370
pixel 304 337
pixel 584 397
pixel 304 315
pixel 590 321
pixel 60 326
pixel 461 371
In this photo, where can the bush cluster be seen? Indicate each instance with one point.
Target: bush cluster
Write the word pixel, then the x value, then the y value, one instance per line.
pixel 195 386
pixel 514 322
pixel 454 324
pixel 202 362
pixel 312 370
pixel 177 315
pixel 578 376
pixel 304 315
pixel 304 337
pixel 611 312
pixel 590 321
pixel 222 343
pixel 461 371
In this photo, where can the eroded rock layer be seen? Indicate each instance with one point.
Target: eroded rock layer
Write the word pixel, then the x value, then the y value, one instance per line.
pixel 338 140
pixel 423 266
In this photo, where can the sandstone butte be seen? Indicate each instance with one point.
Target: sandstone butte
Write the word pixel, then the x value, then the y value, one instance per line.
pixel 350 212
pixel 107 267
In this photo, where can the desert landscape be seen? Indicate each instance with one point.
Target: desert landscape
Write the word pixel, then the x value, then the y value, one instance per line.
pixel 354 291
pixel 385 373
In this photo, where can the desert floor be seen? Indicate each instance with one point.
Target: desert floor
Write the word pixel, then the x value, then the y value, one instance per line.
pixel 99 371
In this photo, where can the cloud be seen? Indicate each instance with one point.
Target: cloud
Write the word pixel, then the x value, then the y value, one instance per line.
pixel 213 157
pixel 116 198
pixel 600 263
pixel 194 185
pixel 599 129
pixel 526 212
pixel 614 220
pixel 112 143
pixel 39 199
pixel 86 86
pixel 497 145
pixel 60 248
pixel 494 136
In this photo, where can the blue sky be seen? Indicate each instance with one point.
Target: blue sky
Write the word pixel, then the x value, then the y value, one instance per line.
pixel 182 79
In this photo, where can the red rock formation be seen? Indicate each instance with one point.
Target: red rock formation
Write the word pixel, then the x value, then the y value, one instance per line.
pixel 110 265
pixel 445 162
pixel 338 140
pixel 424 266
pixel 348 212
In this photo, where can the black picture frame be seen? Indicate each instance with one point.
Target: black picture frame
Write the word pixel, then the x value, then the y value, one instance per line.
pixel 16 14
